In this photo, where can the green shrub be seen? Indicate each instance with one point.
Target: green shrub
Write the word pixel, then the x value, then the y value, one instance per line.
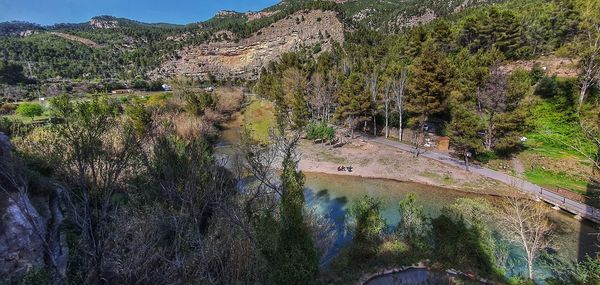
pixel 320 131
pixel 29 110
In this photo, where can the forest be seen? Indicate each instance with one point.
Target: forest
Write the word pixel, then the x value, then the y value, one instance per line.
pixel 452 74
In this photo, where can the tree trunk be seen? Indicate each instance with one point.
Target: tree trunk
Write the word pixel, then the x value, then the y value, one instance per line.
pixel 374 126
pixel 387 127
pixel 530 267
pixel 582 94
pixel 400 128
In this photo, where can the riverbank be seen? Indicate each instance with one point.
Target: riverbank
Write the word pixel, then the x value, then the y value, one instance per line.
pixel 370 160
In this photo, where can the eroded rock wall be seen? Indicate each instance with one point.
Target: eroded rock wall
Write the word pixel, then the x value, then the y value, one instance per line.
pixel 245 58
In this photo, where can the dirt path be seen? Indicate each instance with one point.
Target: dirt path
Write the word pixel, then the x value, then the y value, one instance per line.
pixel 373 160
pixel 81 40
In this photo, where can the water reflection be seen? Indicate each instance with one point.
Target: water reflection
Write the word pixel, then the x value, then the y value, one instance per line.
pixel 333 195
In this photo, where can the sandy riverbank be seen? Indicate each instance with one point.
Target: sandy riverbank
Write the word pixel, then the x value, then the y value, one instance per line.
pixel 371 160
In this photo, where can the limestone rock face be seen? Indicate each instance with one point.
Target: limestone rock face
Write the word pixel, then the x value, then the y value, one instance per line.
pixel 20 248
pixel 29 224
pixel 245 58
pixel 104 24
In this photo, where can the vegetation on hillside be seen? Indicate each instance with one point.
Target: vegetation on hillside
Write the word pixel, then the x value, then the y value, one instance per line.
pixel 457 85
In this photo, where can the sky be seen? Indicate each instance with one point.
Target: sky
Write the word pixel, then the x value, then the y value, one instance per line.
pixel 48 12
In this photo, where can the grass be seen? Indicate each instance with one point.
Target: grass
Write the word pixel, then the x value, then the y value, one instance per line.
pixel 348 268
pixel 25 120
pixel 546 157
pixel 445 178
pixel 259 117
pixel 552 179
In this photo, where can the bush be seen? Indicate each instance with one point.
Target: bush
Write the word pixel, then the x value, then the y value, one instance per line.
pixel 368 226
pixel 29 110
pixel 320 131
pixel 7 109
pixel 547 87
pixel 458 245
pixel 139 84
pixel 155 86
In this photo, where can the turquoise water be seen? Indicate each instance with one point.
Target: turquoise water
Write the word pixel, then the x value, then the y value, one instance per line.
pixel 333 195
pixel 418 276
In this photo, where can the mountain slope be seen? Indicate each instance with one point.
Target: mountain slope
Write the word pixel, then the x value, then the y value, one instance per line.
pixel 110 47
pixel 226 59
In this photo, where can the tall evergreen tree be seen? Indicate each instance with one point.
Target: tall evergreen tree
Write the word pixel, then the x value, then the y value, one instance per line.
pixel 354 101
pixel 295 85
pixel 430 75
pixel 296 259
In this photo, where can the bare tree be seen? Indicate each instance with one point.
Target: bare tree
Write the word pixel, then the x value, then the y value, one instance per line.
pixel 525 223
pixel 590 57
pixel 492 101
pixel 398 90
pixel 322 89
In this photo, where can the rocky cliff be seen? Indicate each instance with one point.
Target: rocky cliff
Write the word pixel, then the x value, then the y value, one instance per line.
pixel 245 58
pixel 30 221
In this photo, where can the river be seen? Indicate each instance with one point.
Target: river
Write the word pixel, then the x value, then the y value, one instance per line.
pixel 332 195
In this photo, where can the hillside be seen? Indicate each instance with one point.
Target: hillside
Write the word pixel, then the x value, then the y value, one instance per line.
pixel 110 47
pixel 244 58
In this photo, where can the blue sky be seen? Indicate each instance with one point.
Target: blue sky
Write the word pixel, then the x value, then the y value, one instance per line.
pixel 47 12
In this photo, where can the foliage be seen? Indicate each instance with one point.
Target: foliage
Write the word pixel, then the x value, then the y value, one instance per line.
pixel 460 246
pixel 29 110
pixel 428 87
pixel 586 272
pixel 295 258
pixel 141 119
pixel 368 225
pixel 320 130
pixel 354 102
pixel 195 104
pixel 464 130
pixel 11 73
pixel 412 227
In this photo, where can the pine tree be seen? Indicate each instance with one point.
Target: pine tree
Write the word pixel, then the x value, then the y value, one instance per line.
pixel 427 90
pixel 295 85
pixel 463 130
pixel 354 101
pixel 296 259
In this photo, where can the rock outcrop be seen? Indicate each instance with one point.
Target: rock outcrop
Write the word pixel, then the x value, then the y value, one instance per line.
pixel 29 223
pixel 104 23
pixel 245 58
